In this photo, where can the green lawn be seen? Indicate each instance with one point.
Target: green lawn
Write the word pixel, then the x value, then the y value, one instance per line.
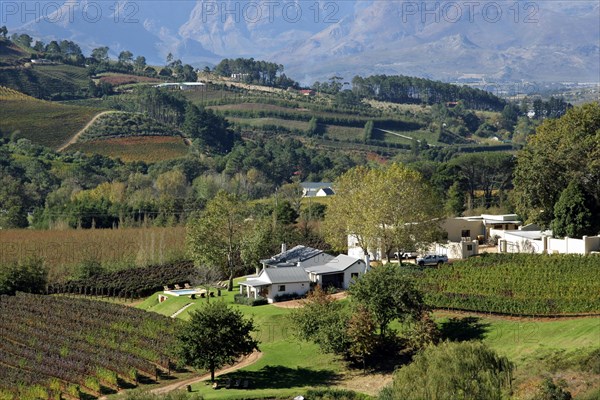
pixel 518 339
pixel 289 367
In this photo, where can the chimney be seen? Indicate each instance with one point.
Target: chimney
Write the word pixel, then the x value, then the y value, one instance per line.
pixel 283 248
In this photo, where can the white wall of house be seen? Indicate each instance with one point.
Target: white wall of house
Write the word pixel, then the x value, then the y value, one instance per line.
pixel 514 243
pixel 456 250
pixel 356 268
pixel 585 245
pixel 300 288
pixel 354 250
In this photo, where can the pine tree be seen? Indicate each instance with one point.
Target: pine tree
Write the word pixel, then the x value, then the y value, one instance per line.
pixel 571 216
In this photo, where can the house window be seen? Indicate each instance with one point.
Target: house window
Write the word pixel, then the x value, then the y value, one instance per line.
pixel 465 233
pixel 469 247
pixel 282 288
pixel 354 275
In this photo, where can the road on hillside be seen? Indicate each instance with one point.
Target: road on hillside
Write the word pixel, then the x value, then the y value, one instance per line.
pixel 81 131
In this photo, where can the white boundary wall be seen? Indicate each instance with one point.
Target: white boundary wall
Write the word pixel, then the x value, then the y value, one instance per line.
pixel 510 243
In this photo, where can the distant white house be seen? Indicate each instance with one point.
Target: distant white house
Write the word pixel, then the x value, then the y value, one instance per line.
pixel 240 77
pixel 182 85
pixel 42 61
pixel 317 189
pixel 296 270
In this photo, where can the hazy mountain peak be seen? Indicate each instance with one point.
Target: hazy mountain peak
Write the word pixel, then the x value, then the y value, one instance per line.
pixel 521 40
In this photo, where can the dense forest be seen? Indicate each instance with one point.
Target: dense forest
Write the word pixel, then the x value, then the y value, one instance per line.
pixel 406 89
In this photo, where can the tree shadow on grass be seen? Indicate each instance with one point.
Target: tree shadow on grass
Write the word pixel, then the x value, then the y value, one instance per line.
pixel 463 329
pixel 279 377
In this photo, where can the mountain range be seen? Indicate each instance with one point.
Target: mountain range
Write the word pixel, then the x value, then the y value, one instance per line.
pixel 550 41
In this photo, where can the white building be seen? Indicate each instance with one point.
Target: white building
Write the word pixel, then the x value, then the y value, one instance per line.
pixel 317 189
pixel 296 270
pixel 182 85
pixel 463 235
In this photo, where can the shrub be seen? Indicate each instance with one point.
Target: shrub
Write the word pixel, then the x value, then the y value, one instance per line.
pixel 287 296
pixel 29 276
pixel 592 362
pixel 452 371
pixel 250 301
pixel 334 394
pixel 548 390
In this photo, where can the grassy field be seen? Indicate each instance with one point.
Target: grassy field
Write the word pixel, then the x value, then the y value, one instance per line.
pixel 289 367
pixel 343 132
pixel 148 149
pixel 421 134
pixel 42 122
pixel 118 248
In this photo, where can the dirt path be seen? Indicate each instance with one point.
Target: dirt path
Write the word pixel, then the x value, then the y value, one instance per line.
pixel 300 303
pixel 81 131
pixel 397 134
pixel 246 361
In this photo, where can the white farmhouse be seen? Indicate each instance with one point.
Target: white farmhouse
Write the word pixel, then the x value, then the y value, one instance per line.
pixel 297 270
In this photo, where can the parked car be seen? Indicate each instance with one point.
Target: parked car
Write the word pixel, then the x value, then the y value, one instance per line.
pixel 432 259
pixel 405 255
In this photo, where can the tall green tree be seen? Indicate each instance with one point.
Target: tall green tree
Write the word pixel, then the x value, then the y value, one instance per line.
pixel 126 57
pixel 368 131
pixel 215 335
pixel 216 237
pixel 562 151
pixel 388 294
pixel 455 205
pixel 572 218
pixel 140 63
pixel 387 208
pixel 313 127
pixel 452 371
pixel 323 321
pixel 487 173
pixel 100 54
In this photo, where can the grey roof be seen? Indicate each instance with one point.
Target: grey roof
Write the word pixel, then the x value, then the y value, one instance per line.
pixel 315 185
pixel 338 264
pixel 284 275
pixel 290 257
pixel 328 191
pixel 254 282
